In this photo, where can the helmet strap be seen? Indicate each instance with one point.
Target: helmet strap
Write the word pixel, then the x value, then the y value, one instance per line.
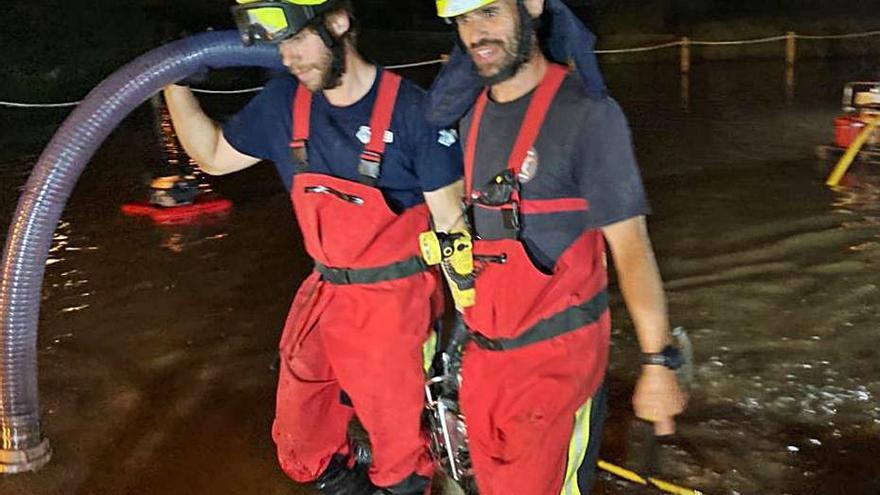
pixel 323 32
pixel 337 51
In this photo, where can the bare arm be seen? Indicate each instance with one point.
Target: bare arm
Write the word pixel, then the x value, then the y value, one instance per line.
pixel 201 137
pixel 657 396
pixel 446 208
pixel 639 281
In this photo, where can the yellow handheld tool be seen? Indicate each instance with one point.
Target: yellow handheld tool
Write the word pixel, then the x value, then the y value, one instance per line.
pixel 454 252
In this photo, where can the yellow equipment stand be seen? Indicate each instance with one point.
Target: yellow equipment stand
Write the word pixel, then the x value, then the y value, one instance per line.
pixel 851 152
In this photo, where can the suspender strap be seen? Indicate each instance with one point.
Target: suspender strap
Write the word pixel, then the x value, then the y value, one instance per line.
pixel 380 120
pixel 302 112
pixel 535 115
pixel 565 321
pixel 470 150
pixel 528 132
pixel 394 271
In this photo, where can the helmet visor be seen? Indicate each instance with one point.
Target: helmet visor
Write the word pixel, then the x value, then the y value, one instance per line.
pixel 453 8
pixel 270 22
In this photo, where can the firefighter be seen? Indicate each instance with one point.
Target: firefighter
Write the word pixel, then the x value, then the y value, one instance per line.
pixel 366 176
pixel 550 181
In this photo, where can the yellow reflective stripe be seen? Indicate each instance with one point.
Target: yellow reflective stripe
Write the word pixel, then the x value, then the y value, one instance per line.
pixel 577 449
pixel 429 348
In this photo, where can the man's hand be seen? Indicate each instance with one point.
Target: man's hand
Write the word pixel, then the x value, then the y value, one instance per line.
pixel 198 78
pixel 535 7
pixel 658 398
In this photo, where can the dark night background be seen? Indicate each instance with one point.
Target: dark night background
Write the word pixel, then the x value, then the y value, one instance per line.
pixel 59 49
pixel 155 342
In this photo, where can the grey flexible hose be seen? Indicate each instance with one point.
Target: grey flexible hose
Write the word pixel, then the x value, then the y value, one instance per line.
pixel 22 447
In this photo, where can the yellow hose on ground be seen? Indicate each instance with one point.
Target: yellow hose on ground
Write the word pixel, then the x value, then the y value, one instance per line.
pixel 851 152
pixel 637 478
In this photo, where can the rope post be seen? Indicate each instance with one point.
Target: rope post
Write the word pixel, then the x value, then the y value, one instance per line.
pixel 685 82
pixel 685 55
pixel 790 47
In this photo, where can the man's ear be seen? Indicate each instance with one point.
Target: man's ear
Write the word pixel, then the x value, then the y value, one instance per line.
pixel 338 22
pixel 535 7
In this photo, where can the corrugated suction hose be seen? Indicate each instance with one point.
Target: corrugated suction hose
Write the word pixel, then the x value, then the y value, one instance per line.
pixel 22 447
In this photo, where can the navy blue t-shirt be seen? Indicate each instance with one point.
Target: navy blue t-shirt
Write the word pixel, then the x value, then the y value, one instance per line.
pixel 418 157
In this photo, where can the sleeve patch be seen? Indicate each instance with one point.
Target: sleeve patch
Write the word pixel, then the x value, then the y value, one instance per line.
pixel 447 137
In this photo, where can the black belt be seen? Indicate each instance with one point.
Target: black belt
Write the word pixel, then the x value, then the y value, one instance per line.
pixel 565 321
pixel 394 271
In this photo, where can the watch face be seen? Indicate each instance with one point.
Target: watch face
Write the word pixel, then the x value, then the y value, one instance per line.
pixel 669 357
pixel 672 357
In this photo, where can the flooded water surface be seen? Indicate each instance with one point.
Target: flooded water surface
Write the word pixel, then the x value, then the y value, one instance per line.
pixel 156 343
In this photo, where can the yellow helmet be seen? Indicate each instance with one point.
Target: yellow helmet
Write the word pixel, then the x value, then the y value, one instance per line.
pixel 271 21
pixel 452 8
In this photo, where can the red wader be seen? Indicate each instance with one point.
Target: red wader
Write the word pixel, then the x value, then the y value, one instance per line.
pixel 358 322
pixel 540 340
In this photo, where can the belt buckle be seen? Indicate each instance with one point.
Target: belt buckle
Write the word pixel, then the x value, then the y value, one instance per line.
pixel 336 276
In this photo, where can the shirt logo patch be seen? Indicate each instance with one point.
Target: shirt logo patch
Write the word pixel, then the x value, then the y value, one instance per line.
pixel 447 137
pixel 529 167
pixel 364 134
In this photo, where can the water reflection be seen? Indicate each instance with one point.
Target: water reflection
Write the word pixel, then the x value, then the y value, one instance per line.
pixel 70 287
pixel 179 239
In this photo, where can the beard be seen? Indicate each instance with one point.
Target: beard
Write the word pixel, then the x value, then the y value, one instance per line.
pixel 517 50
pixel 335 65
pixel 331 66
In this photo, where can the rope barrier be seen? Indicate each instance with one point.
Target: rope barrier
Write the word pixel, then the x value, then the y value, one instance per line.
pixel 37 105
pixel 416 64
pixel 769 39
pixel 838 36
pixel 205 91
pixel 226 92
pixel 641 48
pixel 682 43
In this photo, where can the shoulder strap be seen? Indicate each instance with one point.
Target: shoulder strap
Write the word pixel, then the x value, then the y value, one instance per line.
pixel 302 113
pixel 535 115
pixel 528 132
pixel 380 120
pixel 470 149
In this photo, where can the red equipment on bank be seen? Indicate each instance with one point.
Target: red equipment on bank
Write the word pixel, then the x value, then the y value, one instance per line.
pixel 203 206
pixel 861 102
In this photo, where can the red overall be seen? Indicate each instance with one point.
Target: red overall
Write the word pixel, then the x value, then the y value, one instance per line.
pixel 540 347
pixel 357 324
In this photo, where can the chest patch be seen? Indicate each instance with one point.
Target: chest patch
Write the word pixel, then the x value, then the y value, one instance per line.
pixel 529 167
pixel 447 137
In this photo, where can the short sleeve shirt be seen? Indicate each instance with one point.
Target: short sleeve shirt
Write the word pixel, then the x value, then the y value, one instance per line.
pixel 418 157
pixel 584 150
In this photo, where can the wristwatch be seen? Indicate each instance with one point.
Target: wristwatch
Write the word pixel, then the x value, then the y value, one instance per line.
pixel 670 357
